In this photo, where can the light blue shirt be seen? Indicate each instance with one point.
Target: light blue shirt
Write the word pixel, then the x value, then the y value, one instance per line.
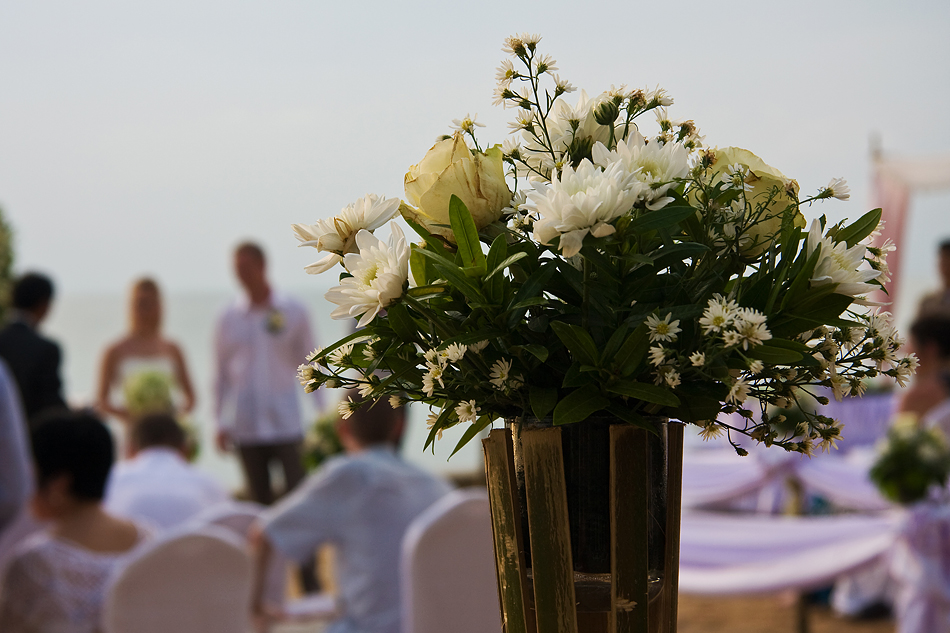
pixel 362 504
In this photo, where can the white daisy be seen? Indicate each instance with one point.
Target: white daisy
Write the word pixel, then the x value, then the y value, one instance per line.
pixel 837 188
pixel 663 330
pixel 738 392
pixel 500 373
pixel 657 355
pixel 347 407
pixel 698 359
pixel 467 411
pixel 455 352
pixel 839 264
pixel 466 124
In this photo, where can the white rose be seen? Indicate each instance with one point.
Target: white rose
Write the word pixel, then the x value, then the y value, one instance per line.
pixel 451 168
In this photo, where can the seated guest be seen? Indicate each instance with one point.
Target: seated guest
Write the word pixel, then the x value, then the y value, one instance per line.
pixel 361 503
pixel 158 485
pixel 56 579
pixel 928 397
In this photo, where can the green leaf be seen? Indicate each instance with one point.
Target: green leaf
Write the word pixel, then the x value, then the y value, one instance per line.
pixel 401 323
pixel 428 292
pixel 505 264
pixel 472 430
pixel 667 255
pixel 616 340
pixel 531 290
pixel 433 242
pixel 543 400
pixel 453 274
pixel 664 218
pixel 633 350
pixel 577 341
pixel 578 405
pixel 466 235
pixel 802 279
pixel 860 229
pixel 630 416
pixel 538 351
pixel 644 391
pixel 440 423
pixel 417 263
pixel 774 355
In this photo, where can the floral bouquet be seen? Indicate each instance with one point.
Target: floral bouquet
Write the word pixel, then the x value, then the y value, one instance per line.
pixel 590 266
pixel 148 392
pixel 912 460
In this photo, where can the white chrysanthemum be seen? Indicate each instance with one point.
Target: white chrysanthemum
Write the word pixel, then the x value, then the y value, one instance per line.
pixel 467 411
pixel 379 273
pixel 455 352
pixel 337 235
pixel 697 359
pixel 656 165
pixel 466 124
pixel 839 264
pixel 580 202
pixel 837 188
pixel 663 330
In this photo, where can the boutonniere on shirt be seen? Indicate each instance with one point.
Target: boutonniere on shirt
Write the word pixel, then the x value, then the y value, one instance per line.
pixel 275 321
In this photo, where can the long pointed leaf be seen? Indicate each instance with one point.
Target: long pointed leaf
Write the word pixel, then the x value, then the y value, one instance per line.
pixel 466 235
pixel 578 405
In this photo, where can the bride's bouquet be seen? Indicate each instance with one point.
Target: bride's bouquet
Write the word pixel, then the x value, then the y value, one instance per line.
pixel 598 263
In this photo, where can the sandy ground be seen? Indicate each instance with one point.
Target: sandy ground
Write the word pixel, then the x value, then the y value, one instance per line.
pixel 768 614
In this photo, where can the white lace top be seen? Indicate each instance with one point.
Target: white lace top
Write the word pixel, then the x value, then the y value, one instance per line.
pixel 53 586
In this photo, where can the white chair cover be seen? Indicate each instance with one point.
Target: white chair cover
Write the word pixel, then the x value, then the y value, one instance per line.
pixel 238 517
pixel 194 581
pixel 448 568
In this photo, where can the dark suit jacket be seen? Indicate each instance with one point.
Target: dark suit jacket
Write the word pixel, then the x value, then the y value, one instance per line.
pixel 34 361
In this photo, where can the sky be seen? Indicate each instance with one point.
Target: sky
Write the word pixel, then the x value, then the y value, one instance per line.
pixel 152 137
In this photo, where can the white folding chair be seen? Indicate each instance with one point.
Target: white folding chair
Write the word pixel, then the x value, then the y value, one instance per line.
pixel 448 568
pixel 190 581
pixel 238 517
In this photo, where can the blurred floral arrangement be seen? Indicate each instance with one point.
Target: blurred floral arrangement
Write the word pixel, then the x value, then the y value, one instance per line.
pixel 911 462
pixel 150 391
pixel 321 441
pixel 6 265
pixel 584 267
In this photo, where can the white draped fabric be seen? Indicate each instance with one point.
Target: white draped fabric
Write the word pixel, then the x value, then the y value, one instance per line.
pixel 738 554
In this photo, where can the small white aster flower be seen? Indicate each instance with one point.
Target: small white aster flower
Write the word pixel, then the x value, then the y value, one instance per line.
pixel 735 177
pixel 395 402
pixel 663 330
pixel 837 188
pixel 466 124
pixel 500 374
pixel 307 372
pixel 718 314
pixel 455 352
pixel 738 392
pixel 366 390
pixel 657 355
pixel 479 346
pixel 347 407
pixel 506 73
pixel 672 378
pixel 431 419
pixel 563 85
pixel 467 411
pixel 545 64
pixel 428 385
pixel 756 367
pixel 710 430
pixel 341 355
pixel 697 359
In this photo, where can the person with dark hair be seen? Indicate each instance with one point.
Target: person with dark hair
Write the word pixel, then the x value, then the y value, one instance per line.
pixel 33 359
pixel 938 302
pixel 361 502
pixel 260 342
pixel 142 351
pixel 158 485
pixel 928 397
pixel 56 579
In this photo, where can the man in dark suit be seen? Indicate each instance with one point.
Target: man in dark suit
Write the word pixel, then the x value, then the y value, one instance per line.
pixel 33 359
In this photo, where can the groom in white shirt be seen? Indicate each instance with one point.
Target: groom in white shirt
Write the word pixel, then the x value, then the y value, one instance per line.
pixel 261 340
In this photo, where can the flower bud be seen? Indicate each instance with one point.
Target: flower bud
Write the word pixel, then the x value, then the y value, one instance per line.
pixel 606 113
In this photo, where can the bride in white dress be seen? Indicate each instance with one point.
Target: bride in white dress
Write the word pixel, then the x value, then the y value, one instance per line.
pixel 141 358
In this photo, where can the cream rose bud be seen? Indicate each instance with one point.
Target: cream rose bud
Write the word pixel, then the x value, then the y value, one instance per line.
pixel 451 168
pixel 762 179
